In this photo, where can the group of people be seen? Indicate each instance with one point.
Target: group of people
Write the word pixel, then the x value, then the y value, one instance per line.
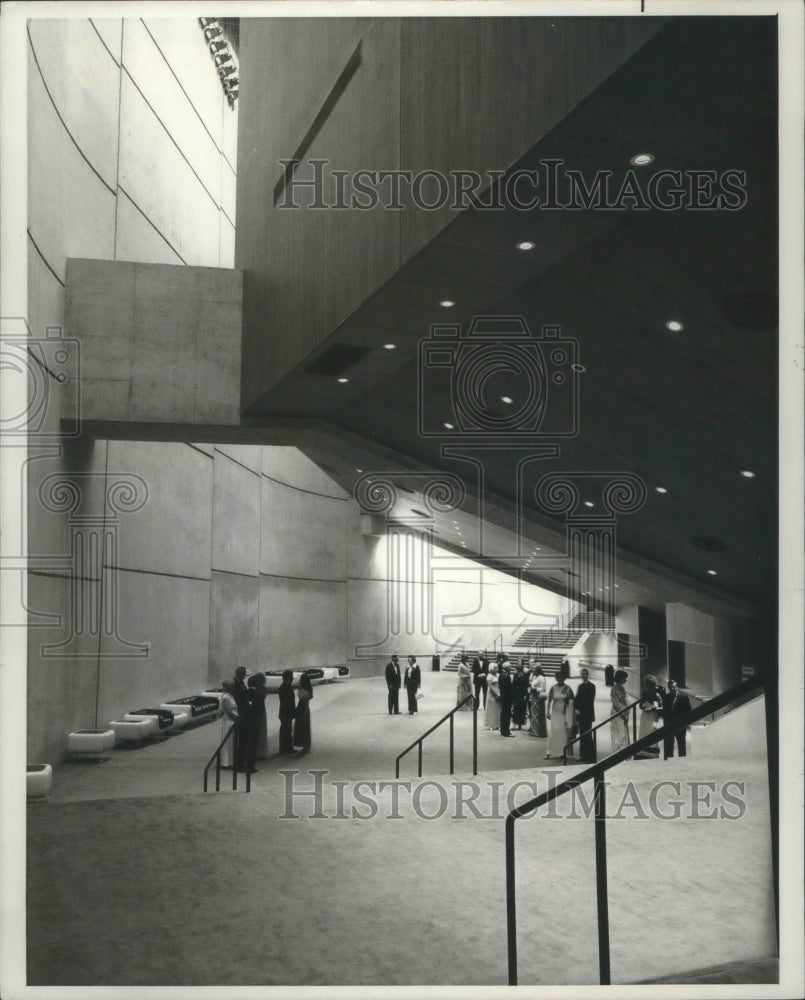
pixel 411 681
pixel 517 696
pixel 657 707
pixel 243 702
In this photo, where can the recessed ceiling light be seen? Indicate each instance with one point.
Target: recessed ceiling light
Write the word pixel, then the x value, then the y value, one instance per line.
pixel 343 380
pixel 359 470
pixel 589 503
pixel 526 245
pixel 674 325
pixel 450 427
pixel 712 572
pixel 747 474
pixel 578 368
pixel 506 399
pixel 660 489
pixel 585 593
pixel 642 159
pixel 617 585
pixel 389 347
pixel 447 303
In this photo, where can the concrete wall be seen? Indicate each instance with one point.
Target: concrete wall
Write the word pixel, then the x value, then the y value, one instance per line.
pixel 384 94
pixel 132 150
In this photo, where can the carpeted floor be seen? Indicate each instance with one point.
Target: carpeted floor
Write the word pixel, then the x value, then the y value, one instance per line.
pixel 137 878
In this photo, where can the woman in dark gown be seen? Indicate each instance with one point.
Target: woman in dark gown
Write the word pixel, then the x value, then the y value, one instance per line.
pixel 520 703
pixel 255 722
pixel 301 722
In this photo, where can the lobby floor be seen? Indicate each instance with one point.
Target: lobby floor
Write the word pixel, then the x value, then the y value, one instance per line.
pixel 135 877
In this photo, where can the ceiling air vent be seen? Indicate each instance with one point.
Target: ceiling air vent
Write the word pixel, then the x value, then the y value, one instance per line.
pixel 337 359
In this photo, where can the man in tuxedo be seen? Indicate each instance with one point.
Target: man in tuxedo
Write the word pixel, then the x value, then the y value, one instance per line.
pixel 241 695
pixel 286 712
pixel 507 692
pixel 479 671
pixel 585 713
pixel 674 705
pixel 393 683
pixel 412 681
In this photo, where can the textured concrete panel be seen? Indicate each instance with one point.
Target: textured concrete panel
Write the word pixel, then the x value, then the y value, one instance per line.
pixel 347 254
pixel 111 31
pixel 236 517
pixel 170 103
pixel 247 455
pixel 61 689
pixel 291 466
pixel 182 43
pixel 171 333
pixel 234 609
pixel 80 225
pixel 302 623
pixel 172 615
pixel 160 181
pixel 172 532
pixel 83 81
pixel 226 256
pixel 137 239
pixel 303 534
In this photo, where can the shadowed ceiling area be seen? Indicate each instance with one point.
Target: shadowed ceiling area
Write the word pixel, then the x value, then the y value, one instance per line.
pixel 686 410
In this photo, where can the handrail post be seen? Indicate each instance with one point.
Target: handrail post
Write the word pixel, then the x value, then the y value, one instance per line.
pixel 420 759
pixel 511 911
pixel 451 744
pixel 218 771
pixel 474 737
pixel 599 795
pixel 397 768
pixel 634 723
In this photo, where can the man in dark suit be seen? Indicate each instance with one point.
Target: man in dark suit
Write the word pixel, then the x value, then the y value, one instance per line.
pixel 393 683
pixel 507 692
pixel 241 696
pixel 286 712
pixel 479 677
pixel 585 714
pixel 412 681
pixel 674 704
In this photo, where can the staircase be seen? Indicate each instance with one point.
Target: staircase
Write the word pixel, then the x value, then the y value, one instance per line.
pixel 593 621
pixel 541 638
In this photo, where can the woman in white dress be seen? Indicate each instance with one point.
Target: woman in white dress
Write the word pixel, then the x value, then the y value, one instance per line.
pixel 650 713
pixel 464 684
pixel 560 710
pixel 492 711
pixel 230 715
pixel 619 728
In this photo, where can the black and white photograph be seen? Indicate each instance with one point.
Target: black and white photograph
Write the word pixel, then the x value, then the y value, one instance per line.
pixel 381 381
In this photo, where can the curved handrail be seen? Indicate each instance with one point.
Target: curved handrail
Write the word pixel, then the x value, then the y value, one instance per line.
pixel 449 716
pixel 604 722
pixel 216 759
pixel 594 773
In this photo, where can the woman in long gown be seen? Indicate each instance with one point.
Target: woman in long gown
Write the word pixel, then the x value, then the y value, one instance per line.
pixel 650 713
pixel 464 684
pixel 619 728
pixel 229 709
pixel 301 722
pixel 560 713
pixel 492 711
pixel 537 698
pixel 257 714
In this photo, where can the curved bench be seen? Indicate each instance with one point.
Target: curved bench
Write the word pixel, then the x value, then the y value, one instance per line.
pixel 164 717
pixel 135 730
pixel 90 742
pixel 39 778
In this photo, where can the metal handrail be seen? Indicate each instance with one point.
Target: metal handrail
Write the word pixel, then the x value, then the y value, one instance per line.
pixel 449 716
pixel 216 758
pixel 594 773
pixel 629 708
